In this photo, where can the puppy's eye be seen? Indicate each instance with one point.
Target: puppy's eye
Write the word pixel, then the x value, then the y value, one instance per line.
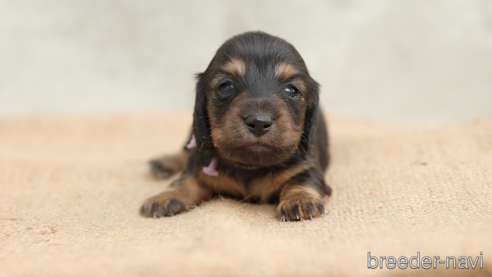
pixel 291 91
pixel 226 89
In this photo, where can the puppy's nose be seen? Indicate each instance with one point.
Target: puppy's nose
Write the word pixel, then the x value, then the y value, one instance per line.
pixel 259 124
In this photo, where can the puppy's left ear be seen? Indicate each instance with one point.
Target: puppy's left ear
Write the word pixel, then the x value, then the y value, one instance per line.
pixel 310 119
pixel 201 123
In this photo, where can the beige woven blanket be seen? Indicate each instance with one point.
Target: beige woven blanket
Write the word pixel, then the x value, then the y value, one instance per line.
pixel 70 189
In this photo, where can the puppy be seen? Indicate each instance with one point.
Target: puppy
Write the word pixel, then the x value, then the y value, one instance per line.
pixel 258 134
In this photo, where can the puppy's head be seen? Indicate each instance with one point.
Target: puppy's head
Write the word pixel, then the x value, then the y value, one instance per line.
pixel 256 103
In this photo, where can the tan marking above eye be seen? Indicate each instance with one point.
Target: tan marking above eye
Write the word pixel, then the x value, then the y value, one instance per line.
pixel 284 71
pixel 215 81
pixel 235 67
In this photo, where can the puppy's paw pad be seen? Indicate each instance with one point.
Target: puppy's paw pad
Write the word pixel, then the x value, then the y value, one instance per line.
pixel 159 171
pixel 295 209
pixel 162 205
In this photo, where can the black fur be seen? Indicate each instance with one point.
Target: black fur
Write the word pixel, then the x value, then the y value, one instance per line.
pixel 201 124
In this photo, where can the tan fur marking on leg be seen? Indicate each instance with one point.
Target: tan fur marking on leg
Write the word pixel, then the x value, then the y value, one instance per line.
pixel 184 193
pixel 190 191
pixel 299 202
pixel 268 185
pixel 299 190
pixel 223 183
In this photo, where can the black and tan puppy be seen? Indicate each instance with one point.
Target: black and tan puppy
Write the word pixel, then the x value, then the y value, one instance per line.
pixel 258 134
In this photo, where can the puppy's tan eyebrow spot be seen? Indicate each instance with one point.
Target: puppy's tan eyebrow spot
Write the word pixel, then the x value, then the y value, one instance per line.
pixel 299 84
pixel 215 81
pixel 235 67
pixel 284 71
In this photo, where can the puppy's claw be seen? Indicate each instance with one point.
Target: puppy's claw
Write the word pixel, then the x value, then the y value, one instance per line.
pixel 296 209
pixel 162 205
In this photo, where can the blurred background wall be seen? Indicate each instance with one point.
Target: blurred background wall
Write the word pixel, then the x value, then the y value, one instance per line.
pixel 415 62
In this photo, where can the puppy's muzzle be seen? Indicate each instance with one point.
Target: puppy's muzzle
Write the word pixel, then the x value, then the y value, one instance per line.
pixel 259 124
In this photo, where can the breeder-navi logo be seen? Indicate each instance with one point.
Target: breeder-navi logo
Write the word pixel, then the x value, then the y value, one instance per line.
pixel 426 262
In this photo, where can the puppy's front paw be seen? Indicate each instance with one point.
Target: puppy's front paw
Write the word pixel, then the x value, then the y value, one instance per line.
pixel 164 204
pixel 299 207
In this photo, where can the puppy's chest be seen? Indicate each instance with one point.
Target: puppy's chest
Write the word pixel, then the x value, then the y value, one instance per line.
pixel 243 186
pixel 248 185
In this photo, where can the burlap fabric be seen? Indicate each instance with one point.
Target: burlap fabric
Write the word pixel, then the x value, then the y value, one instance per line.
pixel 70 189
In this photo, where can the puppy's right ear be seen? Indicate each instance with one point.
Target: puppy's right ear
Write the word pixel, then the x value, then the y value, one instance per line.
pixel 201 123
